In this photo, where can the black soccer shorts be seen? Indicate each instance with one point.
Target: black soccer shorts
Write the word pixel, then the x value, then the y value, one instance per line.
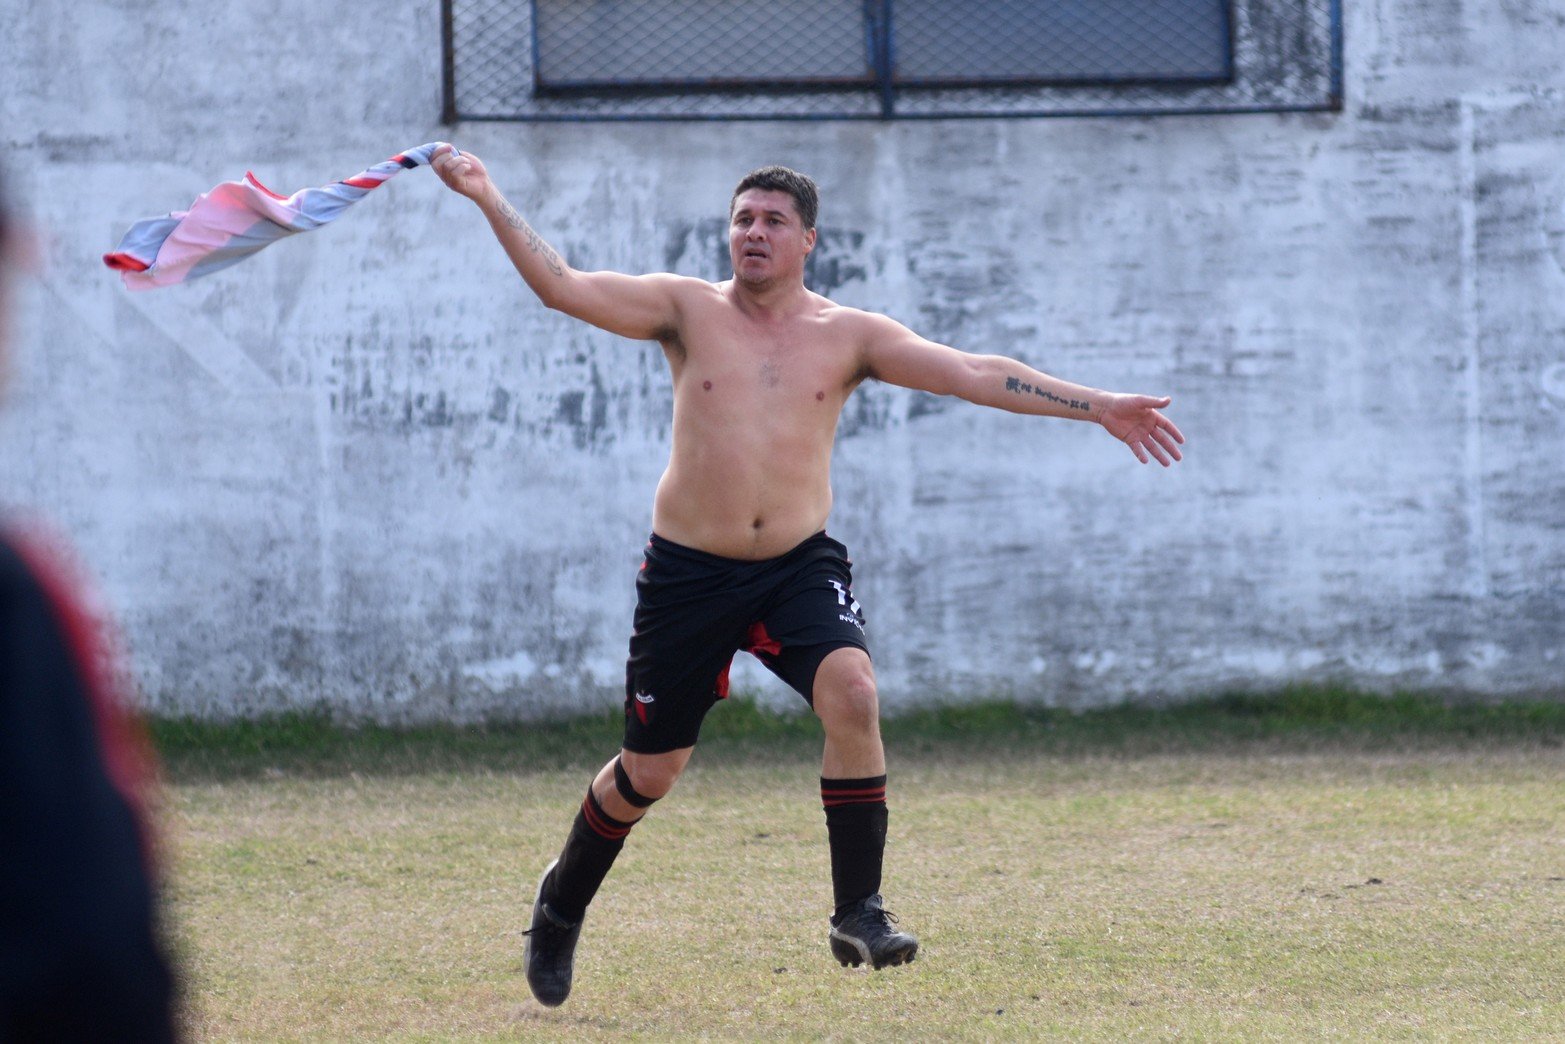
pixel 694 610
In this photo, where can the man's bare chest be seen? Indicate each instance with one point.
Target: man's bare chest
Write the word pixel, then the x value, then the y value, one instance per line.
pixel 814 363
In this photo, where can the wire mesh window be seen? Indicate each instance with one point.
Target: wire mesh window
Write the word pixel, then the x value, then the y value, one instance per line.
pixel 681 45
pixel 847 59
pixel 1065 42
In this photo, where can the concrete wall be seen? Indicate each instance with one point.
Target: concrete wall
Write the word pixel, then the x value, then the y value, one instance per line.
pixel 367 470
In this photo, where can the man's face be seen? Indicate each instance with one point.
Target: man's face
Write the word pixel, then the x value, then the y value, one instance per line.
pixel 766 240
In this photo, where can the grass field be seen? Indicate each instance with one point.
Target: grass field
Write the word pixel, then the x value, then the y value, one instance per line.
pixel 1314 865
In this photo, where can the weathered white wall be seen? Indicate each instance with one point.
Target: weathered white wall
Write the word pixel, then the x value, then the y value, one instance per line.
pixel 367 470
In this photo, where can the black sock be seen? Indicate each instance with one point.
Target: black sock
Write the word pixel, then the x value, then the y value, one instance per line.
pixel 856 828
pixel 595 840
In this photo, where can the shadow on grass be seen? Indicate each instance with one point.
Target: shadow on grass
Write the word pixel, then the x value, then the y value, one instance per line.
pixel 1294 719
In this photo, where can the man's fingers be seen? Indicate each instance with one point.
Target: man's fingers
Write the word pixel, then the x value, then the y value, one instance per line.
pixel 1156 451
pixel 1152 436
pixel 1167 443
pixel 454 169
pixel 447 159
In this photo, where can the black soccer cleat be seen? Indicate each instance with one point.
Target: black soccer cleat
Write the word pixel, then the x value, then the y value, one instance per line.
pixel 864 935
pixel 550 954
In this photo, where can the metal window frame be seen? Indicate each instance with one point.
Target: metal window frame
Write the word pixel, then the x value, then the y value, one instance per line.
pixel 883 81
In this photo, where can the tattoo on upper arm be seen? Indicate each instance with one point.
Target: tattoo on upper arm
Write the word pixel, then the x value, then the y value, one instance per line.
pixel 1021 387
pixel 534 241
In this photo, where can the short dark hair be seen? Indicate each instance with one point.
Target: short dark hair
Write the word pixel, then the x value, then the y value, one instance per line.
pixel 806 196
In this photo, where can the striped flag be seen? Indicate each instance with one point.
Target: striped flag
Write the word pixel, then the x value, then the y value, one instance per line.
pixel 238 218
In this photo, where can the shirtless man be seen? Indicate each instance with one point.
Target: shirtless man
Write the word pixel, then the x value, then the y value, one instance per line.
pixel 739 558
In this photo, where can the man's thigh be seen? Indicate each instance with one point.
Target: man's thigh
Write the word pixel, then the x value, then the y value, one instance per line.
pixel 682 641
pixel 816 615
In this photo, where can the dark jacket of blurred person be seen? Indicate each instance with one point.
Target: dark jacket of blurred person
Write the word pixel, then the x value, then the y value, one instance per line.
pixel 81 958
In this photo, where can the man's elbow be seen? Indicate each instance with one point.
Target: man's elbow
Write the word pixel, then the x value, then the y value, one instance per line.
pixel 557 294
pixel 971 378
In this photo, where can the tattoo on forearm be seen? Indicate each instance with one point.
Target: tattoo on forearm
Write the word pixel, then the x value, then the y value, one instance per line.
pixel 512 218
pixel 535 242
pixel 550 258
pixel 1021 387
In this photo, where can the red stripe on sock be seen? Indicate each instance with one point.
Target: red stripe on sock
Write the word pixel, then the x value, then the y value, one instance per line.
pixel 866 790
pixel 599 826
pixel 867 796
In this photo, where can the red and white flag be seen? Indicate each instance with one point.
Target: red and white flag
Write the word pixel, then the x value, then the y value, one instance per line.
pixel 238 218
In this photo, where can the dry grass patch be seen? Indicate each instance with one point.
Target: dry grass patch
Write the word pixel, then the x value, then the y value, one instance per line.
pixel 1225 894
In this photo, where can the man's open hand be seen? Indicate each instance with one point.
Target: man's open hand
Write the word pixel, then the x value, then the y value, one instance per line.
pixel 1135 421
pixel 462 172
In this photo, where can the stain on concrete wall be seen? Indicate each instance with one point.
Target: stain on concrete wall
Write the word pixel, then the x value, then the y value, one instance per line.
pixel 368 471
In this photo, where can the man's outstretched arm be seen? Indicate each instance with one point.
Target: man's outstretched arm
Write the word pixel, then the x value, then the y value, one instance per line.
pixel 639 307
pixel 896 355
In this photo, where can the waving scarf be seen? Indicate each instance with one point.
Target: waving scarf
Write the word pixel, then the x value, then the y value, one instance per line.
pixel 238 218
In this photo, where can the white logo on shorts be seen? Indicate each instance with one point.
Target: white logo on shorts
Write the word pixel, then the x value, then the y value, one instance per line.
pixel 844 596
pixel 644 697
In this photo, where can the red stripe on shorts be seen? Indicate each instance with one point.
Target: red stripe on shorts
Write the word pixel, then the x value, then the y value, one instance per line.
pixel 761 642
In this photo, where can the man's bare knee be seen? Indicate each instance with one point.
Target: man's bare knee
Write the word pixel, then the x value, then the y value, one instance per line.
pixel 847 699
pixel 654 775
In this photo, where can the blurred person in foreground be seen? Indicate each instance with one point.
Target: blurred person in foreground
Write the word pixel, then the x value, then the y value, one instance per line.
pixel 81 958
pixel 739 557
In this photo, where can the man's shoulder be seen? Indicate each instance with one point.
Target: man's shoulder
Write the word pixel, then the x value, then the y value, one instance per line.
pixel 16 579
pixel 28 629
pixel 38 568
pixel 831 311
pixel 684 283
pixel 856 322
